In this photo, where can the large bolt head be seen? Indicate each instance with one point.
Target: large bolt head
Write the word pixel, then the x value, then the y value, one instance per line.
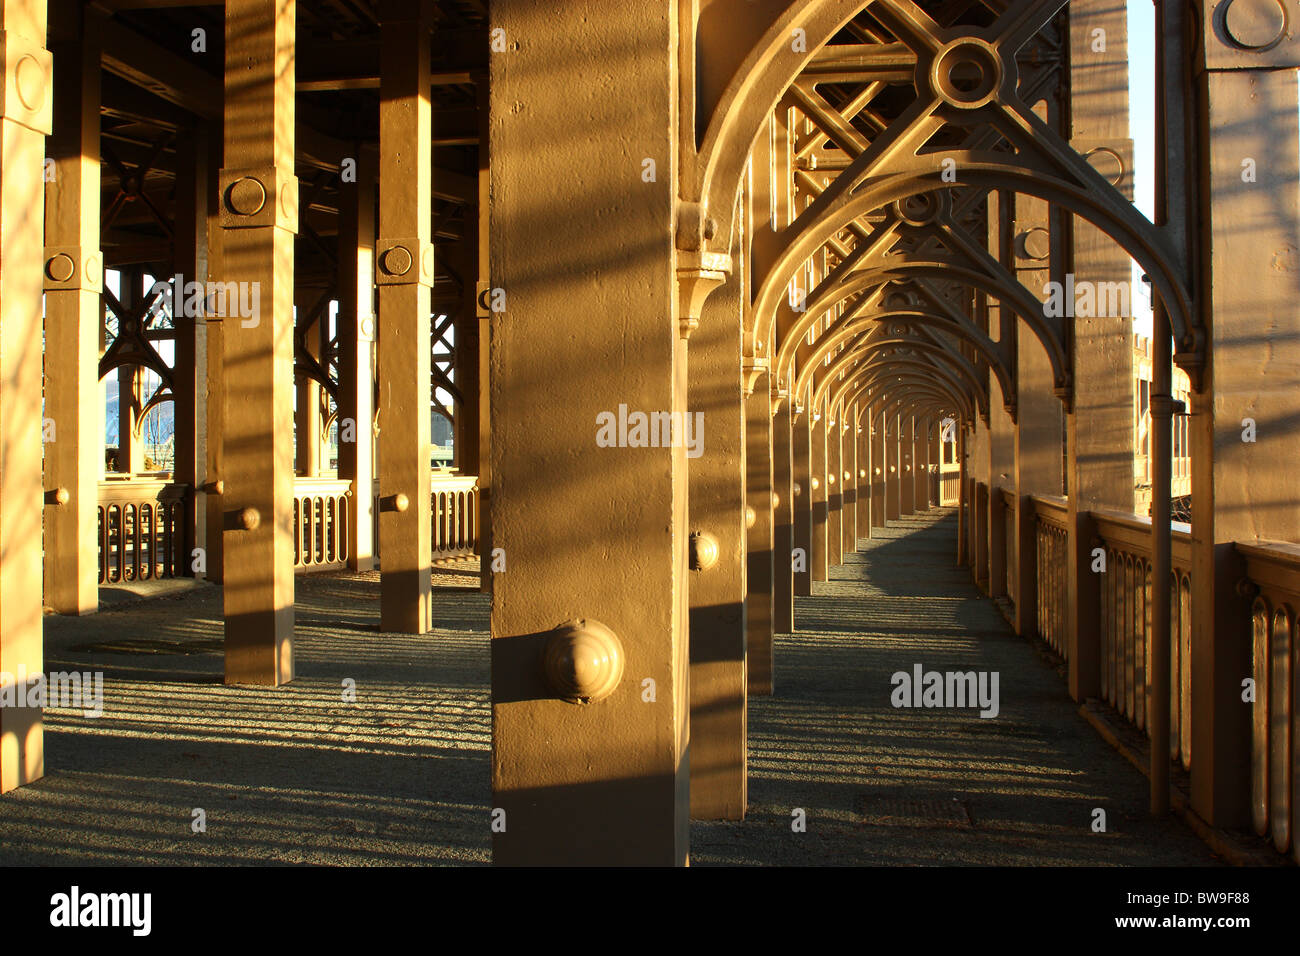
pixel 704 551
pixel 583 661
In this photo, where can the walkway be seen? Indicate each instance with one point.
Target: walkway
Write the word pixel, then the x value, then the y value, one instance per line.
pixel 297 775
pixel 888 786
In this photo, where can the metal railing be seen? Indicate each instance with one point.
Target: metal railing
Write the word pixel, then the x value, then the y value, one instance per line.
pixel 453 516
pixel 320 521
pixel 1126 595
pixel 454 513
pixel 1050 539
pixel 142 526
pixel 1273 569
pixel 949 488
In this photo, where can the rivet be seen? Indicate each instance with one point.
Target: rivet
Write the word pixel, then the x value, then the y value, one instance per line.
pixel 704 551
pixel 751 516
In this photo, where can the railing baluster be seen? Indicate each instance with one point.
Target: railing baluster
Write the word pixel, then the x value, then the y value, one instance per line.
pixel 1259 750
pixel 1279 730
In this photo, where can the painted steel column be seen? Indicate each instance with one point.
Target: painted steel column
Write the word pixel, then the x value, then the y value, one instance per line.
pixel 190 261
pixel 473 427
pixel 963 498
pixel 356 336
pixel 210 351
pixel 607 781
pixel 1001 473
pixel 1099 425
pixel 130 450
pixel 1242 490
pixel 849 472
pixel 879 466
pixel 74 267
pixel 1157 698
pixel 404 272
pixel 307 413
pixel 259 213
pixel 819 557
pixel 1037 258
pixel 893 467
pixel 783 518
pixel 834 489
pixel 484 416
pixel 717 475
pixel 762 573
pixel 801 453
pixel 24 123
pixel 922 464
pixel 977 452
pixel 906 464
pixel 862 443
pixel 933 464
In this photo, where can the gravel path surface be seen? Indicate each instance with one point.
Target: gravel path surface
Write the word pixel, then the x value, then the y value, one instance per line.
pixel 401 776
pixel 286 775
pixel 881 785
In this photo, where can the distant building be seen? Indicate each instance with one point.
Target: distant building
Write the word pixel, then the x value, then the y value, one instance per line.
pixel 1181 471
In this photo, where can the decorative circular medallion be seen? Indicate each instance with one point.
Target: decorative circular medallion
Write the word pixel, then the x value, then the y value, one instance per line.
pixel 245 197
pixel 1107 162
pixel 60 267
pixel 1255 24
pixel 29 82
pixel 967 73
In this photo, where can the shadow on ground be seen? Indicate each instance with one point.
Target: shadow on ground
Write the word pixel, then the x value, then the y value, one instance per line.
pixel 402 776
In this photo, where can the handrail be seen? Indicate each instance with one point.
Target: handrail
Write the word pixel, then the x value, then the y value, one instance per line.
pixel 1051 509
